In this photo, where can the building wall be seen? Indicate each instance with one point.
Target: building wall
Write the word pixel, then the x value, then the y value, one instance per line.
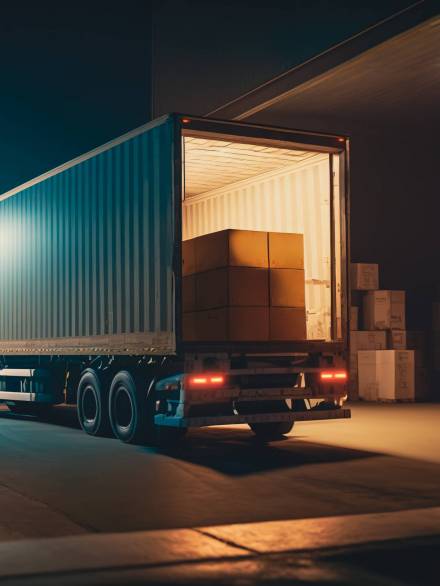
pixel 395 189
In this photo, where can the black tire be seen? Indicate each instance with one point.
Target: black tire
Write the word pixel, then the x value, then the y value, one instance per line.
pixel 92 404
pixel 271 430
pixel 41 411
pixel 128 411
pixel 132 406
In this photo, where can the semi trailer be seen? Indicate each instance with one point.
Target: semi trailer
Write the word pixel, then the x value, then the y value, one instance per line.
pixel 94 277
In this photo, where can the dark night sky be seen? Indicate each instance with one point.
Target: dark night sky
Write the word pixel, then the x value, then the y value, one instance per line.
pixel 74 75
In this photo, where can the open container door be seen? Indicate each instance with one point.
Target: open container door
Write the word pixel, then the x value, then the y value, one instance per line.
pixel 239 177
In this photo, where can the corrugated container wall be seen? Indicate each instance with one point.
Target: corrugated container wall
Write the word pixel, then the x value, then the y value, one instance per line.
pixel 86 254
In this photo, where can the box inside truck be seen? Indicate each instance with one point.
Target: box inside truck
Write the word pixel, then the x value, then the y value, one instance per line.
pixel 256 231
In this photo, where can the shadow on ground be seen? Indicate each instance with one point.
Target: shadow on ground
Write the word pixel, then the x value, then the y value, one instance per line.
pixel 236 452
pixel 231 451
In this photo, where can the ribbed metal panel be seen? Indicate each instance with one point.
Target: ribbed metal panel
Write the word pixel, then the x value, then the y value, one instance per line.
pixel 294 199
pixel 86 255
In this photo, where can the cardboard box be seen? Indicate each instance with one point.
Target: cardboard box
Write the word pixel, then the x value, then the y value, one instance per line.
pixel 387 375
pixel 233 324
pixel 286 250
pixel 384 310
pixel 287 288
pixel 354 318
pixel 364 277
pixel 189 293
pixel 188 257
pixel 287 323
pixel 362 340
pixel 228 248
pixel 366 340
pixel 406 340
pixel 232 286
pixel 367 375
pixel 396 374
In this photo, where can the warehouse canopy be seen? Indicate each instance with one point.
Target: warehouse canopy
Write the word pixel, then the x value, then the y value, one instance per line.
pixel 388 75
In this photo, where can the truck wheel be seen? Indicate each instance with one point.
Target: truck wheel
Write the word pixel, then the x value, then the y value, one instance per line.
pixel 127 409
pixel 92 404
pixel 271 430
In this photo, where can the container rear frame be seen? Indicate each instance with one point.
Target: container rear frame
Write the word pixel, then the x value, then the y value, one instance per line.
pixel 326 143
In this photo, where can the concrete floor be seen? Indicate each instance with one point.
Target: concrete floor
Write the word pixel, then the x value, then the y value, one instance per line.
pixel 55 480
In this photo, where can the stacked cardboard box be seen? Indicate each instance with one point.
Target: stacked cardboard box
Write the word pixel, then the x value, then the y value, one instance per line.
pixel 364 277
pixel 394 366
pixel 241 285
pixel 386 375
pixel 287 312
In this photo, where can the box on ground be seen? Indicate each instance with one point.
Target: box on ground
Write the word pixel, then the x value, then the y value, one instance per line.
pixel 364 277
pixel 287 288
pixel 232 286
pixel 384 310
pixel 231 248
pixel 386 375
pixel 362 340
pixel 287 323
pixel 354 318
pixel 286 250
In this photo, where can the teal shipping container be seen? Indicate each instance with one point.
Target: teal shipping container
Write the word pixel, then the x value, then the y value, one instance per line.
pixel 86 252
pixel 90 253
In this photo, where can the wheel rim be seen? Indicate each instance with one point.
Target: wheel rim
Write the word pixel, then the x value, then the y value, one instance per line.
pixel 123 408
pixel 89 405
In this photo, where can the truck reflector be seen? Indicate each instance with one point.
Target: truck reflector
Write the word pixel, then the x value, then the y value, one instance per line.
pixel 334 375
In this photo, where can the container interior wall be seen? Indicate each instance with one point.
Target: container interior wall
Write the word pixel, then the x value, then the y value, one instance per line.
pixel 294 198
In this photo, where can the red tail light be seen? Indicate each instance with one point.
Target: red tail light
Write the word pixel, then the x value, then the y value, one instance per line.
pixel 334 376
pixel 206 380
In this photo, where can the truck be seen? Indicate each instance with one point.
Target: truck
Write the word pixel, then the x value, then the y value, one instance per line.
pixel 91 282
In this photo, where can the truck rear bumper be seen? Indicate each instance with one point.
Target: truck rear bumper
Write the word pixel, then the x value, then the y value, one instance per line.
pixel 309 415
